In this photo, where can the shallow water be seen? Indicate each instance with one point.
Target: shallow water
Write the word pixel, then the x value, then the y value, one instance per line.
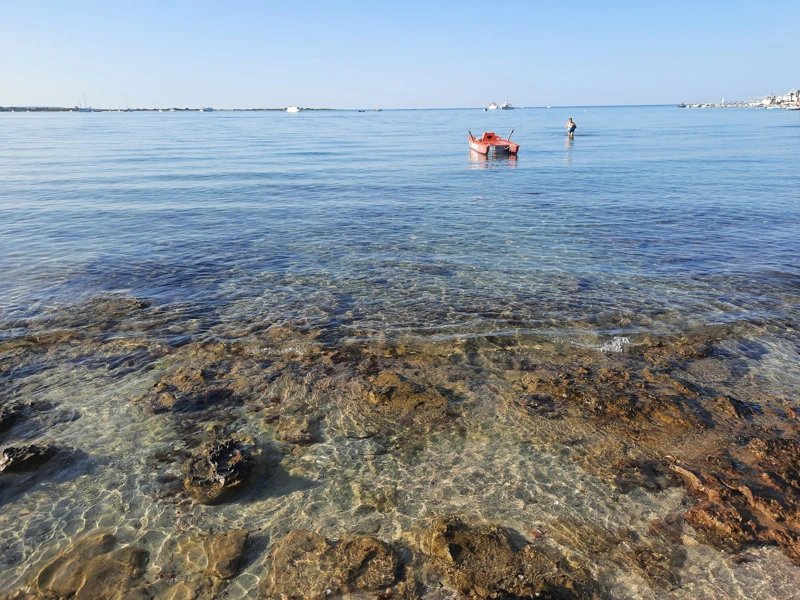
pixel 383 222
pixel 359 229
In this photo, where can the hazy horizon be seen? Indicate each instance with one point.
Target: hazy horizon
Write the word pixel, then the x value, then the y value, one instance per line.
pixel 411 56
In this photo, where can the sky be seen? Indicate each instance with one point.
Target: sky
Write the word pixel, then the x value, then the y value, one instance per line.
pixel 411 54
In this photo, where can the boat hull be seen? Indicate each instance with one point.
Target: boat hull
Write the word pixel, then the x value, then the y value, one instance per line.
pixel 489 142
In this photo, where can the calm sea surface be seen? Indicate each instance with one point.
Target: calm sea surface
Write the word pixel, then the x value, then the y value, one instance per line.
pixel 373 223
pixel 168 280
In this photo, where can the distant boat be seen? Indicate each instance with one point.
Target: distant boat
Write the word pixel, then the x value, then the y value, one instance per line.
pixel 378 106
pixel 681 105
pixel 362 111
pixel 293 109
pixel 85 107
pixel 492 106
pixel 506 105
pixel 207 109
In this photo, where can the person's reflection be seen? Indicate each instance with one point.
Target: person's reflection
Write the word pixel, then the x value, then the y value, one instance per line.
pixel 568 142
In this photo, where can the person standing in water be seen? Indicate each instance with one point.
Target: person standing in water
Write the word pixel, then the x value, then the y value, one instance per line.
pixel 571 127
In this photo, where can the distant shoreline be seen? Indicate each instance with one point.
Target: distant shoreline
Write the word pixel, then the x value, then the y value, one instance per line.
pixel 174 109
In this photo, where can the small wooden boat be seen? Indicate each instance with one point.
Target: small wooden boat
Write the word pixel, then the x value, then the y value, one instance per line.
pixel 489 141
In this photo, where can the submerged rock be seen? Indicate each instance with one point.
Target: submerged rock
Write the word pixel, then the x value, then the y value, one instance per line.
pixel 216 555
pixel 224 552
pixel 93 569
pixel 490 561
pixel 218 470
pixel 305 565
pixel 25 458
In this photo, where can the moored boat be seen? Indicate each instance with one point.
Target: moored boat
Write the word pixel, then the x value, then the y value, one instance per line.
pixel 489 141
pixel 492 106
pixel 293 109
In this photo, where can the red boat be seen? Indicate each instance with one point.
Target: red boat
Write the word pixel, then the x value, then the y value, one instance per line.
pixel 489 141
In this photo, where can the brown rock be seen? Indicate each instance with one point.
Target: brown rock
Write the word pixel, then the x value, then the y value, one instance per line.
pixel 224 551
pixel 748 494
pixel 91 569
pixel 305 565
pixel 297 428
pixel 487 561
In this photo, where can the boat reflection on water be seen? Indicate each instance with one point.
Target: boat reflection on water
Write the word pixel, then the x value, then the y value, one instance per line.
pixel 492 160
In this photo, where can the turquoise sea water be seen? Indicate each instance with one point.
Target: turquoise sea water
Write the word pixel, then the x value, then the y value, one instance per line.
pixel 373 223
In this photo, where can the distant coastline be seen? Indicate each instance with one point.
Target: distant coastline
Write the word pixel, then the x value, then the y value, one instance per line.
pixel 173 109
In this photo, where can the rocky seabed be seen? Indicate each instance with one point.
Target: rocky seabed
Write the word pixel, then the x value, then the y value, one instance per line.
pixel 145 456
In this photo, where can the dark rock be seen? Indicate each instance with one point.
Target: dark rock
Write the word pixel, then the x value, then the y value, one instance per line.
pixel 9 415
pixel 25 458
pixel 218 470
pixel 305 565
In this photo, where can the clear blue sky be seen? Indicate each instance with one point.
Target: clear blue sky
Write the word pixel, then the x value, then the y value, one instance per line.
pixel 410 54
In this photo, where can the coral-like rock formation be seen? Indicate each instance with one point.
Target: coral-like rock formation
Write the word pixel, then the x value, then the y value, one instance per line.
pixel 219 469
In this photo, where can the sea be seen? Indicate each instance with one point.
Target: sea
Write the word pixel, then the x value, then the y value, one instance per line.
pixel 376 229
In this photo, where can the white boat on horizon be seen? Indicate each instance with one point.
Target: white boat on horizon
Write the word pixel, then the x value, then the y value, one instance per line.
pixel 293 109
pixel 492 106
pixel 506 105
